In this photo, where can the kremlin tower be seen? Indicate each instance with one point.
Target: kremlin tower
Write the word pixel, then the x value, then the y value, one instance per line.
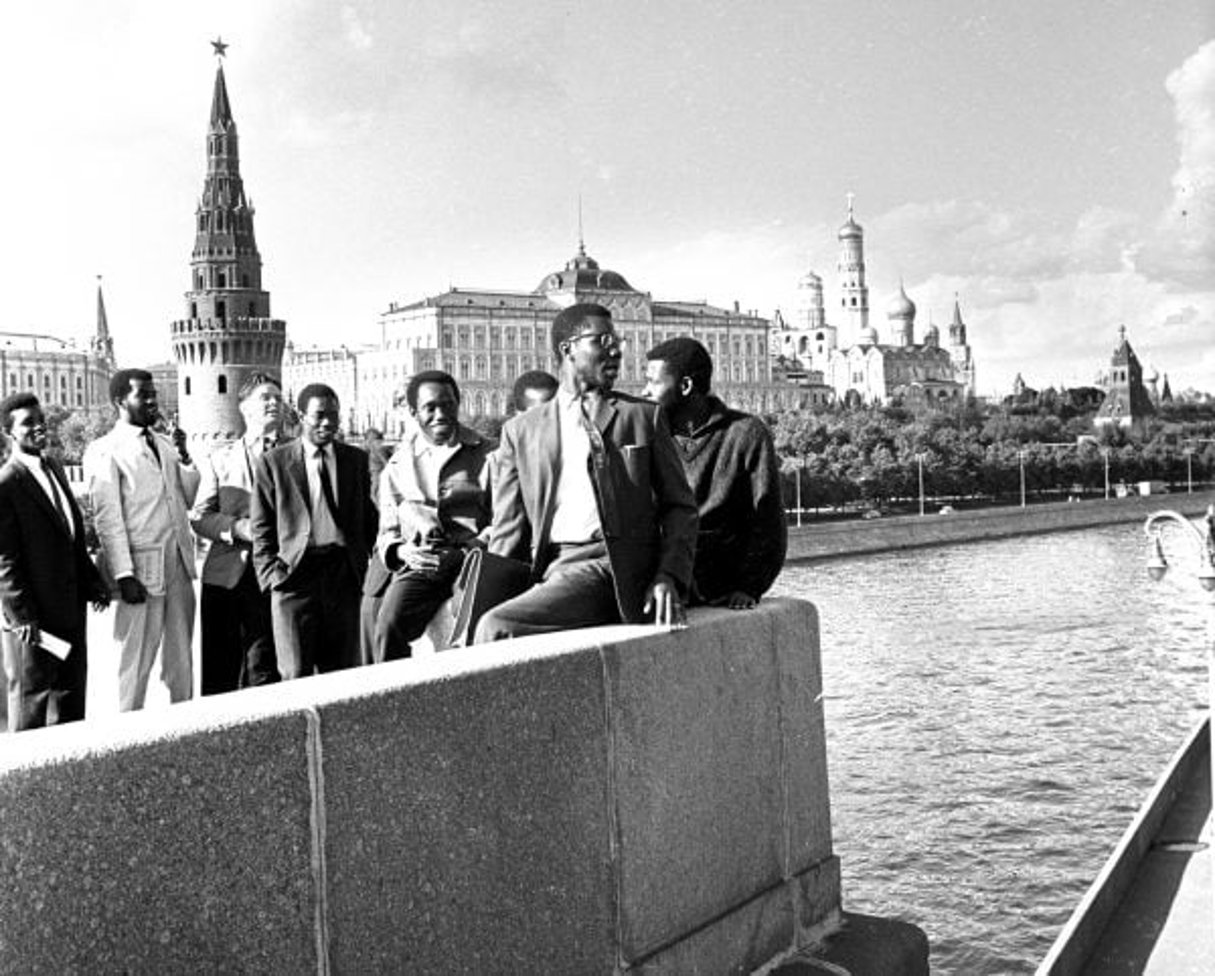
pixel 854 293
pixel 228 332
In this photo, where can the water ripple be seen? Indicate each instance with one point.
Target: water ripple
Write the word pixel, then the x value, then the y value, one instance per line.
pixel 995 715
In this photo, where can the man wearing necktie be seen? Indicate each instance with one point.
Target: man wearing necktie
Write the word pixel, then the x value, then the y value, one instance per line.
pixel 590 492
pixel 46 576
pixel 142 486
pixel 237 634
pixel 313 525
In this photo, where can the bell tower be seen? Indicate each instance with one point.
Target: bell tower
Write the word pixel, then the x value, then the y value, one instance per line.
pixel 854 293
pixel 228 331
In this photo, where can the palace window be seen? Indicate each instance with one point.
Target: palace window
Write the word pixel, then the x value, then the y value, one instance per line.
pixel 221 310
pixel 223 280
pixel 222 383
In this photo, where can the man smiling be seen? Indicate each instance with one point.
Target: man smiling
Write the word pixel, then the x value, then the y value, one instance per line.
pixel 434 505
pixel 589 491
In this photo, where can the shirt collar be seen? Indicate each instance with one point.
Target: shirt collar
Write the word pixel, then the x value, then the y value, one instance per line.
pixel 28 460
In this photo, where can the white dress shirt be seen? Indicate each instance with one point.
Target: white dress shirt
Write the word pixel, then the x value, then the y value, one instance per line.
pixel 325 531
pixel 576 514
pixel 33 464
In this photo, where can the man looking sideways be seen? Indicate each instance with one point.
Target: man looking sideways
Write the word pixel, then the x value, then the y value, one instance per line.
pixel 237 634
pixel 434 505
pixel 731 466
pixel 313 523
pixel 589 491
pixel 142 485
pixel 46 577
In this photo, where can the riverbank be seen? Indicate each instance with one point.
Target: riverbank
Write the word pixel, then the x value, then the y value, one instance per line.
pixel 834 540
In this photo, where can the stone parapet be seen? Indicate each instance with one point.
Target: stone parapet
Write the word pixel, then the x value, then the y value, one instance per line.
pixel 602 801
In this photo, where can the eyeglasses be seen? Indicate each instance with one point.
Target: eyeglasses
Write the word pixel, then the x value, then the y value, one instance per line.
pixel 604 340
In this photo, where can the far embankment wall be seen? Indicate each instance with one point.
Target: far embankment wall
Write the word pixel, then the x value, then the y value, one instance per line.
pixel 611 800
pixel 832 540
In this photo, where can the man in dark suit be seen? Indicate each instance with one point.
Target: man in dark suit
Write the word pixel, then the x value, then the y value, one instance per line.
pixel 46 577
pixel 237 634
pixel 313 526
pixel 589 491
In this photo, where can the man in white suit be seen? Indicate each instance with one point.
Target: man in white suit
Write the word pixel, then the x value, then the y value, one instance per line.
pixel 142 485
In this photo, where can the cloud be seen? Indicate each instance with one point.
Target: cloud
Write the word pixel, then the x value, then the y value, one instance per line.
pixel 356 33
pixel 1181 247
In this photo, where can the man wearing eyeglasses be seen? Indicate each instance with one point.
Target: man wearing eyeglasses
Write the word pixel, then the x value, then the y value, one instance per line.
pixel 591 494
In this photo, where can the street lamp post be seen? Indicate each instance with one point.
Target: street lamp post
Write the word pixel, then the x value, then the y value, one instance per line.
pixel 920 460
pixel 1105 453
pixel 1021 462
pixel 1189 461
pixel 1203 543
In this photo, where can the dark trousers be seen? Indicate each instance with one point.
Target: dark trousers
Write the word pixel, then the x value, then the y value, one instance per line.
pixel 316 615
pixel 576 591
pixel 411 600
pixel 237 637
pixel 42 690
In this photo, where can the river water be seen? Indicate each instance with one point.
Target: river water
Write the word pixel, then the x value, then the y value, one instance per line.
pixel 996 713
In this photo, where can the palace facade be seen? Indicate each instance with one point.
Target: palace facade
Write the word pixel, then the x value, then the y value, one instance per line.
pixel 486 338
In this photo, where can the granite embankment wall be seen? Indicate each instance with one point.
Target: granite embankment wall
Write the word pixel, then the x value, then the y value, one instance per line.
pixel 603 801
pixel 830 540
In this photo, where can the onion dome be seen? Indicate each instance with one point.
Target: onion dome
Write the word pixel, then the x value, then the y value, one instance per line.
pixel 850 229
pixel 900 307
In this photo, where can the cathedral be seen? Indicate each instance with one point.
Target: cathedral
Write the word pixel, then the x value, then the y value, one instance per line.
pixel 228 331
pixel 861 364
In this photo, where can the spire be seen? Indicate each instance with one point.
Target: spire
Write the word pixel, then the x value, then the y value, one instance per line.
pixel 581 241
pixel 957 311
pixel 103 345
pixel 221 108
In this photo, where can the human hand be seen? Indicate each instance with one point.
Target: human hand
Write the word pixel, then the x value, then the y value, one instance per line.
pixel 131 590
pixel 241 530
pixel 99 597
pixel 27 633
pixel 662 600
pixel 423 557
pixel 736 600
pixel 178 437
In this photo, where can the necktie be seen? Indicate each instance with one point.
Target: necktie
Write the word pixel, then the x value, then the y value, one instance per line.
pixel 589 403
pixel 150 439
pixel 50 477
pixel 326 484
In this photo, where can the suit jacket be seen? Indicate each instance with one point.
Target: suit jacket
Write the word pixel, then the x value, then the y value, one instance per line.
pixel 224 498
pixel 46 575
pixel 139 503
pixel 281 517
pixel 646 510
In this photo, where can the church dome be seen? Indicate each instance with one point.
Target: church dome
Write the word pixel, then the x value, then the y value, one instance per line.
pixel 583 271
pixel 869 336
pixel 851 230
pixel 900 307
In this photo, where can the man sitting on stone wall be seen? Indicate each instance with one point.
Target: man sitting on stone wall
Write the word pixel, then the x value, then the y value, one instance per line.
pixel 731 466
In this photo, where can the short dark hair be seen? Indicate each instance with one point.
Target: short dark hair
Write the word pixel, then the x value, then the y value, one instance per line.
pixel 253 381
pixel 429 376
pixel 120 382
pixel 569 322
pixel 533 379
pixel 685 357
pixel 315 391
pixel 17 401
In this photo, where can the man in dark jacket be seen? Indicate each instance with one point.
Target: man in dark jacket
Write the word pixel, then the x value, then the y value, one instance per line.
pixel 588 490
pixel 731 466
pixel 46 577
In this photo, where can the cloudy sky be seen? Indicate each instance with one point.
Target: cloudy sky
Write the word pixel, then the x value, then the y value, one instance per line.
pixel 1052 163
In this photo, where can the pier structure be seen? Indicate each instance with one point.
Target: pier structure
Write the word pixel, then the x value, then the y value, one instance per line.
pixel 611 800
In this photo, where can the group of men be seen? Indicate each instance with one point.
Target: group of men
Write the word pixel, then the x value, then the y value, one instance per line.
pixel 622 509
